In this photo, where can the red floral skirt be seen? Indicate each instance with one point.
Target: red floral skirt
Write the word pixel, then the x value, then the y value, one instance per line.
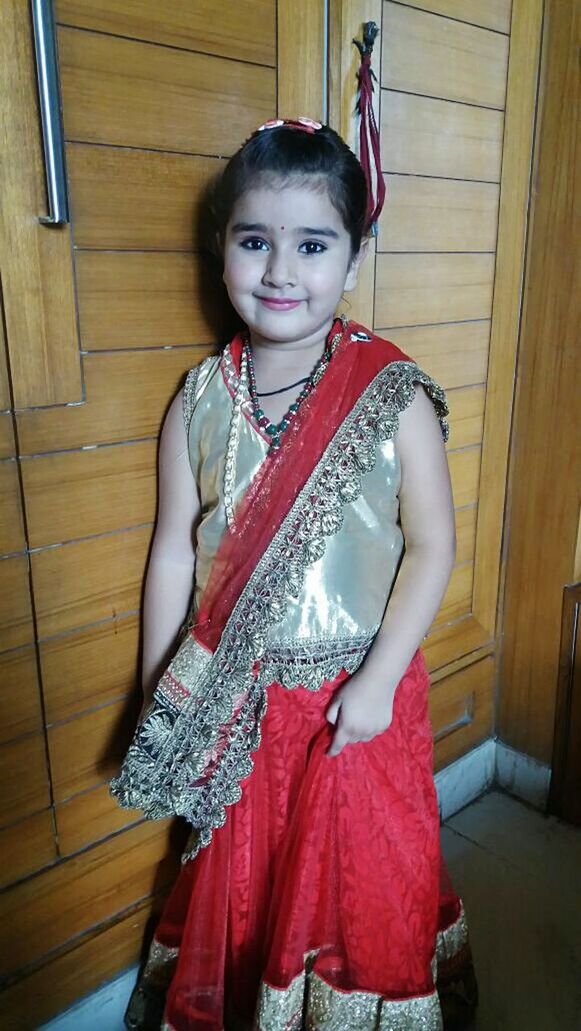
pixel 323 901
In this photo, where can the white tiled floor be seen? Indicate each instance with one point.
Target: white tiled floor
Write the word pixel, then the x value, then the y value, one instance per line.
pixel 519 874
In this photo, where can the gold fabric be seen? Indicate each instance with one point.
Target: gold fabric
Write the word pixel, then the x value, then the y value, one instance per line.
pixel 331 609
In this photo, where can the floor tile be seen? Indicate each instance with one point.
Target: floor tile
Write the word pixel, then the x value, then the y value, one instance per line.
pixel 518 873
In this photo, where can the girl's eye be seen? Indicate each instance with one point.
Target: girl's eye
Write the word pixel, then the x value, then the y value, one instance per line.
pixel 312 247
pixel 254 243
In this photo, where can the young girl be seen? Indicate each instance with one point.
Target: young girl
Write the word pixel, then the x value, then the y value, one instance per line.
pixel 291 726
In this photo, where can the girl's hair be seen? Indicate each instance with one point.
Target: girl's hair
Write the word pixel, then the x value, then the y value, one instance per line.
pixel 295 156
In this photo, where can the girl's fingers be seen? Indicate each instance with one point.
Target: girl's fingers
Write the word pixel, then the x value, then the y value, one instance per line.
pixel 333 710
pixel 339 741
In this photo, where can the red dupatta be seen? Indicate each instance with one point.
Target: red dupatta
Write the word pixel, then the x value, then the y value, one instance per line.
pixel 357 359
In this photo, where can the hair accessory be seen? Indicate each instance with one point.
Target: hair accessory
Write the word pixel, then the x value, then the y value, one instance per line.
pixel 306 124
pixel 368 131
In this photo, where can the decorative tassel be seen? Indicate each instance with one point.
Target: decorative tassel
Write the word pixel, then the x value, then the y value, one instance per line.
pixel 369 150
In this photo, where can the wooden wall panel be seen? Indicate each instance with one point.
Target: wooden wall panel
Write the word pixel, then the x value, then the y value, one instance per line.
pixel 148 300
pixel 140 95
pixel 88 581
pixel 465 533
pixel 458 597
pixel 523 72
pixel 454 353
pixel 428 288
pixel 65 493
pixel 301 83
pixel 494 14
pixel 87 750
pixel 427 214
pixel 88 668
pixel 27 846
pixel 89 888
pixel 466 416
pixel 37 277
pixel 89 817
pixel 20 707
pixel 426 136
pixel 24 776
pixel 543 521
pixel 5 395
pixel 16 626
pixel 7 444
pixel 438 57
pixel 474 685
pixel 248 33
pixel 137 199
pixel 97 957
pixel 464 473
pixel 127 394
pixel 11 523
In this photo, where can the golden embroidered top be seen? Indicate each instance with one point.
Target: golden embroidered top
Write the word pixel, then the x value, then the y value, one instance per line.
pixel 344 593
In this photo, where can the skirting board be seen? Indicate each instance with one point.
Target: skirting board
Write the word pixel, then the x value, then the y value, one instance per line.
pixel 463 781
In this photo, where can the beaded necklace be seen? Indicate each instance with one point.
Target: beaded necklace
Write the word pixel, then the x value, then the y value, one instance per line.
pixel 247 385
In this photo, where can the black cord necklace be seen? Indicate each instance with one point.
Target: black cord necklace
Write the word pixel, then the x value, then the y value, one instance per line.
pixel 282 390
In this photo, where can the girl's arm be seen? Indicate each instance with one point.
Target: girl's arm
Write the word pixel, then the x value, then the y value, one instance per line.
pixel 363 708
pixel 170 572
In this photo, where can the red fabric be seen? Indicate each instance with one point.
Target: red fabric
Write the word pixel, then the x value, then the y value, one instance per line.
pixel 337 854
pixel 369 137
pixel 278 482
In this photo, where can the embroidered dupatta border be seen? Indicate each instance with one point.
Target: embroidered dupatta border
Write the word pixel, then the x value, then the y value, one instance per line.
pixel 195 744
pixel 327 1008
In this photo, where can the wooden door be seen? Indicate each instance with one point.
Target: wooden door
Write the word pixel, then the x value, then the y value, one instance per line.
pixel 455 102
pixel 102 320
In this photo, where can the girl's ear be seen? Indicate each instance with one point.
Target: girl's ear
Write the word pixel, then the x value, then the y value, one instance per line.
pixel 353 271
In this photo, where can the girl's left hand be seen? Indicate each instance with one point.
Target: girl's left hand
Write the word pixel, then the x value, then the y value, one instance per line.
pixel 361 710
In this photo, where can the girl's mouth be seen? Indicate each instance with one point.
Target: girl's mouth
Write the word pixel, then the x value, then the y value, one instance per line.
pixel 279 303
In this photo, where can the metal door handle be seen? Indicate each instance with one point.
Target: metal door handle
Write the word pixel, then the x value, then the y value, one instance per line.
pixel 50 112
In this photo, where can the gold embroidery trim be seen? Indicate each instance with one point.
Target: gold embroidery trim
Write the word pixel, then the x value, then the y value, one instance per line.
pixel 195 745
pixel 330 1009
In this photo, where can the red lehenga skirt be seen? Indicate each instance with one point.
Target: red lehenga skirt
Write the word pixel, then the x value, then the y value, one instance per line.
pixel 323 902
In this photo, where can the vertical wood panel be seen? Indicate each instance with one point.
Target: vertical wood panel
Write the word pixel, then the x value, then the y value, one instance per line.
pixel 20 708
pixel 23 772
pixel 16 626
pixel 37 277
pixel 300 82
pixel 510 261
pixel 546 471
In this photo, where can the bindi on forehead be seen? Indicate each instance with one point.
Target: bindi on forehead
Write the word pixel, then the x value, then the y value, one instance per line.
pixel 282 227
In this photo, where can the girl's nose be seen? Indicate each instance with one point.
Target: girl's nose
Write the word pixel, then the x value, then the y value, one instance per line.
pixel 280 270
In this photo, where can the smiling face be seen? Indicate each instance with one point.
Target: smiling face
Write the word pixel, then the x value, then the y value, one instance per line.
pixel 287 261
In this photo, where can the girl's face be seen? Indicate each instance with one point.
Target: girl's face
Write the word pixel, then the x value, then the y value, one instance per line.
pixel 287 261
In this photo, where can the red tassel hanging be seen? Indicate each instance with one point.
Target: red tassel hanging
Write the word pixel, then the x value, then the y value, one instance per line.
pixel 369 151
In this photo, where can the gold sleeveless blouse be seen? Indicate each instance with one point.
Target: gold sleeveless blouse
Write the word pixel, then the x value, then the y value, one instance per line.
pixel 344 594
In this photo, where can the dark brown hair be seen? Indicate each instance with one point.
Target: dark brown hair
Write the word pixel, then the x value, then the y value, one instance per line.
pixel 293 155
